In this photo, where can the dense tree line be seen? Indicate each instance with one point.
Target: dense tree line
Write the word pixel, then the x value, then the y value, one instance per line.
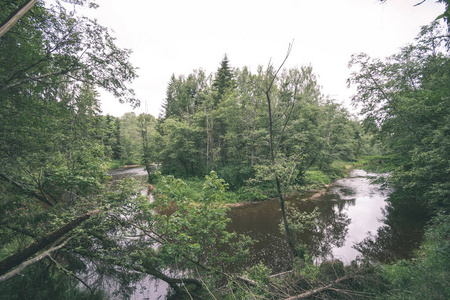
pixel 406 104
pixel 67 231
pixel 219 122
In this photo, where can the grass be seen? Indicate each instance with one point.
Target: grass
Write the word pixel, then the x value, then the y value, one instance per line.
pixel 194 188
pixel 117 163
pixel 316 178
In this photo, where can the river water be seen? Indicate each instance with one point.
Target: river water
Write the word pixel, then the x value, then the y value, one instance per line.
pixel 349 209
pixel 353 215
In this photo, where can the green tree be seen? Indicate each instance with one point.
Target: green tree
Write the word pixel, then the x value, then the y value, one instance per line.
pixel 404 101
pixel 223 81
pixel 130 139
pixel 53 160
pixel 147 125
pixel 184 95
pixel 282 96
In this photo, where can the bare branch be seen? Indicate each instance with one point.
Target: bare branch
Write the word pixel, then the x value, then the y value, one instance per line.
pixel 69 272
pixel 26 190
pixel 274 76
pixel 419 3
pixel 247 280
pixel 318 290
pixel 36 78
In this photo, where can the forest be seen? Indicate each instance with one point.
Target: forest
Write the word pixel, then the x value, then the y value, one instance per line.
pixel 68 231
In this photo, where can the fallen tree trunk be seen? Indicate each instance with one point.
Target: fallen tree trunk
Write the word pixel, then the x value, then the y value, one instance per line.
pixel 318 290
pixel 37 246
pixel 13 20
pixel 247 280
pixel 27 263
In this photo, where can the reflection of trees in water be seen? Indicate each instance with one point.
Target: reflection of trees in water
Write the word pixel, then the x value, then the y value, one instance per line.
pixel 401 233
pixel 330 228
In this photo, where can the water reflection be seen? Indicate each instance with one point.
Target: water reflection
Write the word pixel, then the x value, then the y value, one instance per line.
pixel 138 173
pixel 331 226
pixel 148 288
pixel 401 232
pixel 350 209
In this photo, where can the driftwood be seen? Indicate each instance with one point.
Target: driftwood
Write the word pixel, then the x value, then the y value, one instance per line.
pixel 22 255
pixel 319 289
pixel 247 280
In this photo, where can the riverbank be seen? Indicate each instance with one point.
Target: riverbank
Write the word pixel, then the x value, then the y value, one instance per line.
pixel 311 185
pixel 344 218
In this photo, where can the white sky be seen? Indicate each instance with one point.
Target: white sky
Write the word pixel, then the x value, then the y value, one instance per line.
pixel 177 36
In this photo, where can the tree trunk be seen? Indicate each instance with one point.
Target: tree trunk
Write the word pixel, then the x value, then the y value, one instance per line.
pixel 23 254
pixel 27 263
pixel 280 193
pixel 266 90
pixel 317 290
pixel 12 21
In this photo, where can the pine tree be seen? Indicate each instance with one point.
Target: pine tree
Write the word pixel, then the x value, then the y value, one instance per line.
pixel 224 80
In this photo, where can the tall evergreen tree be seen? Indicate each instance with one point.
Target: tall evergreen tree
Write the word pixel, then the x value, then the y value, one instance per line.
pixel 223 81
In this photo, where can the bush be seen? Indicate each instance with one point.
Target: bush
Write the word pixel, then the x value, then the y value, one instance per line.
pixel 316 178
pixel 260 273
pixel 426 276
pixel 330 270
pixel 234 175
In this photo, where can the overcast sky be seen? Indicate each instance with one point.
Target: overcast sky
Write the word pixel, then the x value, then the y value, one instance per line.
pixel 177 36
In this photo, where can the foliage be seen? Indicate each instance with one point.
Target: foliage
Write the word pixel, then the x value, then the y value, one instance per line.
pixel 192 232
pixel 50 285
pixel 328 280
pixel 147 129
pixel 382 163
pixel 54 151
pixel 131 144
pixel 405 103
pixel 318 178
pixel 219 122
pixel 252 129
pixel 260 273
pixel 427 275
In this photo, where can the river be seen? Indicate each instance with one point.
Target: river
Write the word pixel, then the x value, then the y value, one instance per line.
pixel 354 215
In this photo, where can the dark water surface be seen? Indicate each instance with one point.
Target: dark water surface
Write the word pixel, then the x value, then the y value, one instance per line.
pixel 349 209
pixel 354 215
